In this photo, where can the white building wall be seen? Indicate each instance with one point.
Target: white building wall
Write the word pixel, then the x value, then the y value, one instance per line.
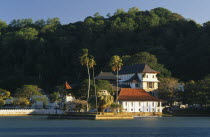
pixel 142 106
pixel 132 85
pixel 147 77
pixel 150 77
pixel 144 77
pixel 69 98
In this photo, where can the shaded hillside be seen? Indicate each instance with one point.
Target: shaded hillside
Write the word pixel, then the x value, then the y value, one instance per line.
pixel 46 53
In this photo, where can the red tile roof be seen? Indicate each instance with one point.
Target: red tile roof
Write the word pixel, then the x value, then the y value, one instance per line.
pixel 130 94
pixel 67 86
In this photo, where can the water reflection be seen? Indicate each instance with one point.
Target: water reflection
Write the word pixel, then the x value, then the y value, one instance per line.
pixel 34 126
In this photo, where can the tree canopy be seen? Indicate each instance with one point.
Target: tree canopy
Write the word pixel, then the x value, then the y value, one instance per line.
pixel 45 52
pixel 151 60
pixel 28 91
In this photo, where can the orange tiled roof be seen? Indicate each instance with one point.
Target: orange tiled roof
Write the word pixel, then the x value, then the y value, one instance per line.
pixel 130 94
pixel 67 86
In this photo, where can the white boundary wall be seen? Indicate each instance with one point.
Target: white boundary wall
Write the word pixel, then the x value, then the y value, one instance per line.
pixel 29 111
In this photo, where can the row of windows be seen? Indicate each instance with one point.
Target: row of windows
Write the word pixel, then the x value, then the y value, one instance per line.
pixel 147 76
pixel 125 77
pixel 139 103
pixel 153 110
pixel 150 85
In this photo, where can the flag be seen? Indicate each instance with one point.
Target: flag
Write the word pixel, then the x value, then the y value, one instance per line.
pixel 67 86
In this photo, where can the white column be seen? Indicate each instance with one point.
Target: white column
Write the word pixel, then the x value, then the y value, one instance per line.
pixel 156 109
pixel 150 106
pixel 154 106
pixel 160 106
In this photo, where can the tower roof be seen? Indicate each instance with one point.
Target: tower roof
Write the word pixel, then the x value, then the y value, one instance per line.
pixel 136 68
pixel 67 86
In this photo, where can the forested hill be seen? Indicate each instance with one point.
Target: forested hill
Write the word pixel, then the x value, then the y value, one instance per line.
pixel 46 53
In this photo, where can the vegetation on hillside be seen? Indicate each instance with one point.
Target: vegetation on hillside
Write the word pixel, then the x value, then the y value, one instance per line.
pixel 45 52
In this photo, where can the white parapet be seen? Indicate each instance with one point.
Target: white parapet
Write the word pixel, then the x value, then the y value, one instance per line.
pixel 29 111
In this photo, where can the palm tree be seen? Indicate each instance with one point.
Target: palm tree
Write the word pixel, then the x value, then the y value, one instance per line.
pixel 116 64
pixel 92 63
pixel 84 60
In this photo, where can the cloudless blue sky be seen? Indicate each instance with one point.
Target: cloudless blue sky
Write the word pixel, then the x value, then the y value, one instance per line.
pixel 77 10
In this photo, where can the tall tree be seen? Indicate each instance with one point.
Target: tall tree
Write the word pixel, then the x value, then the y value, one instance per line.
pixel 169 90
pixel 104 101
pixel 85 60
pixel 27 91
pixel 55 97
pixel 116 64
pixel 92 63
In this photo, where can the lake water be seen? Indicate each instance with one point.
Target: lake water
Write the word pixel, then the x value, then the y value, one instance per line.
pixel 40 126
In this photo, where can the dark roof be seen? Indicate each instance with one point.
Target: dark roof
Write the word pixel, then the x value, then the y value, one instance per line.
pixel 131 94
pixel 124 86
pixel 106 76
pixel 134 78
pixel 114 87
pixel 136 68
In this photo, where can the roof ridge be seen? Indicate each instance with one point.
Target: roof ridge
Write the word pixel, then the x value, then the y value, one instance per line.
pixel 137 68
pixel 136 64
pixel 134 78
pixel 131 94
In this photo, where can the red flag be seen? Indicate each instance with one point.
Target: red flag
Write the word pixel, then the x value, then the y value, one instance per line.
pixel 67 86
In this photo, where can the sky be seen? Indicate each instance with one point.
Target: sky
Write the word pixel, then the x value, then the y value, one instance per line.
pixel 70 11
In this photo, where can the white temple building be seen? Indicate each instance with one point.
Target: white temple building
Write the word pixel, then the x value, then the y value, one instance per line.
pixel 140 94
pixel 139 76
pixel 138 100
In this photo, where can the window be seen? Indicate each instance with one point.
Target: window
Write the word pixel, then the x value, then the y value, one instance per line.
pixel 150 85
pixel 139 103
pixel 153 76
pixel 136 85
pixel 126 104
pixel 131 103
pixel 147 76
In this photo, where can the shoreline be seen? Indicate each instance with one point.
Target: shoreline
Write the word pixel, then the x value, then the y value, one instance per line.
pixel 97 117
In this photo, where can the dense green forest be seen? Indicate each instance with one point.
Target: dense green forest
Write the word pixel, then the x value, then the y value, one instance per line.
pixel 46 52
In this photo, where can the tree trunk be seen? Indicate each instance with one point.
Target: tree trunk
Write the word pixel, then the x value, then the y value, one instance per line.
pixel 40 76
pixel 88 69
pixel 95 90
pixel 117 88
